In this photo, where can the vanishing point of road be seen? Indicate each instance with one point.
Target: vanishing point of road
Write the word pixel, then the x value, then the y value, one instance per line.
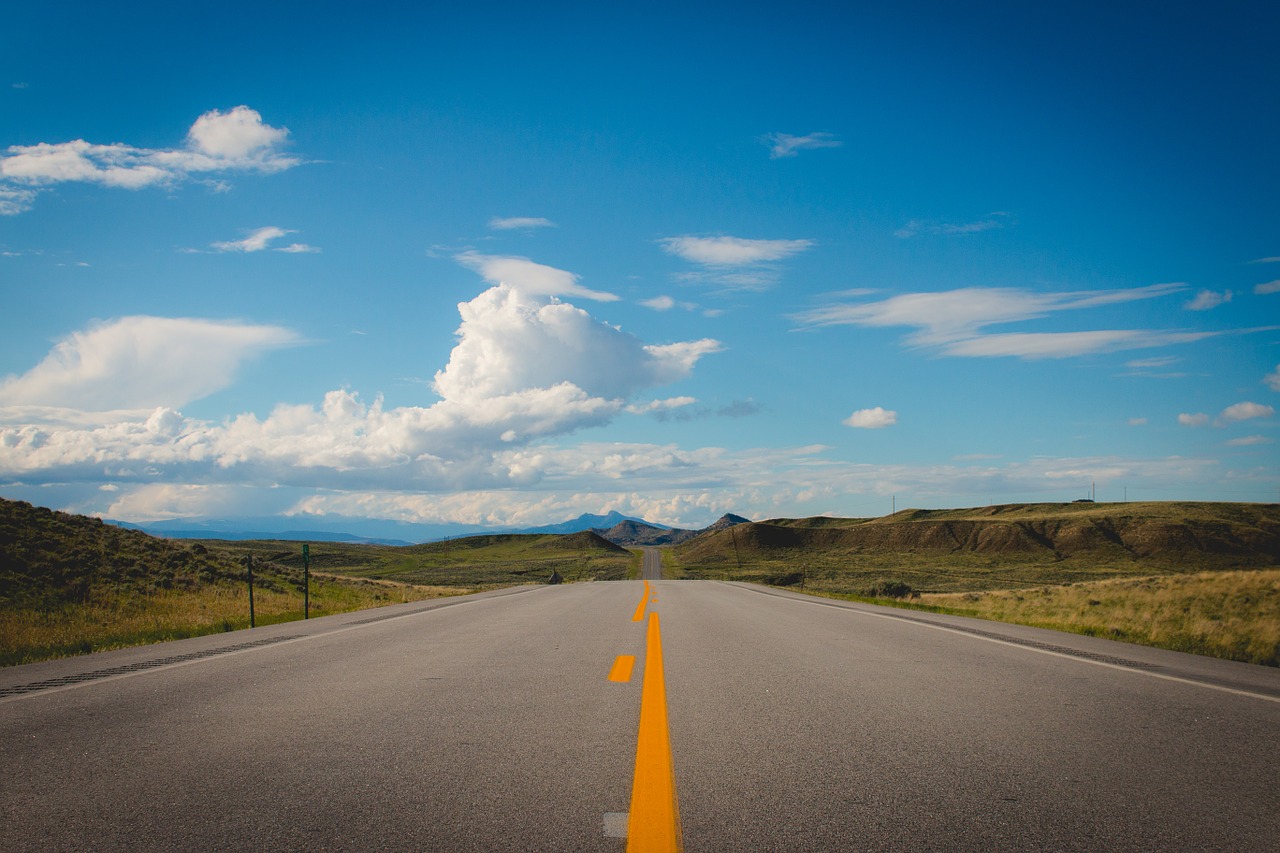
pixel 640 715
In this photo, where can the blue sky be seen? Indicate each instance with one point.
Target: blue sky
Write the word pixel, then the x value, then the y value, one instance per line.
pixel 497 264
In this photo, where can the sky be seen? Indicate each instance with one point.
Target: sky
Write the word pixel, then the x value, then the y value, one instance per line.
pixel 504 264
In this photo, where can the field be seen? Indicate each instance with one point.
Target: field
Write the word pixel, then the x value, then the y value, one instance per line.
pixel 71 585
pixel 1190 576
pixel 1195 577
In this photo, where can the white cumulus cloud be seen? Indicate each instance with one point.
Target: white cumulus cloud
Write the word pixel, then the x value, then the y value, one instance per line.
pixel 237 140
pixel 525 368
pixel 1208 299
pixel 1193 419
pixel 1245 411
pixel 875 418
pixel 1272 379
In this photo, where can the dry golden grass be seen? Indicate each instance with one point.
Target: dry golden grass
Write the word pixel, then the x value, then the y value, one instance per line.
pixel 1233 615
pixel 115 619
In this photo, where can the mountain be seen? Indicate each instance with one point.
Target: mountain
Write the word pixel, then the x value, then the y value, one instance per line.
pixel 639 533
pixel 587 522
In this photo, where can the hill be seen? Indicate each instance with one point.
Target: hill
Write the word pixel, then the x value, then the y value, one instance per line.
pixel 990 547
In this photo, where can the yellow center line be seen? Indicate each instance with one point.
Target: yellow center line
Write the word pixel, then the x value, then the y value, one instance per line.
pixel 654 822
pixel 622 666
pixel 639 615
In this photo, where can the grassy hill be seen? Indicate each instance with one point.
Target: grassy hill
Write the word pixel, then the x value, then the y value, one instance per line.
pixel 71 584
pixel 997 547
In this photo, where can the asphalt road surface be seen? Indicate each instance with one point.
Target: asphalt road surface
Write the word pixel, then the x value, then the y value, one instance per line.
pixel 511 721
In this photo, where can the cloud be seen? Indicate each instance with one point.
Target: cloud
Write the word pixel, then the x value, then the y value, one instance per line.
pixel 660 303
pixel 530 278
pixel 1272 379
pixel 1274 260
pixel 915 227
pixel 733 263
pixel 510 341
pixel 236 140
pixel 138 363
pixel 255 242
pixel 260 240
pixel 877 418
pixel 525 368
pixel 667 405
pixel 732 251
pixel 1193 420
pixel 954 322
pixel 1249 441
pixel 1152 363
pixel 1137 421
pixel 499 223
pixel 1267 288
pixel 1207 299
pixel 785 145
pixel 1243 412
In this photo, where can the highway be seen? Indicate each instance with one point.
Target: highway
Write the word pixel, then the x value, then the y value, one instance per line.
pixel 512 720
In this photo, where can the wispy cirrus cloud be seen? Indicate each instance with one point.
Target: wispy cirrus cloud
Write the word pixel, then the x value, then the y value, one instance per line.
pixel 955 322
pixel 1272 260
pixel 915 227
pixel 786 145
pixel 1267 288
pixel 260 240
pixel 733 263
pixel 529 276
pixel 237 140
pixel 512 223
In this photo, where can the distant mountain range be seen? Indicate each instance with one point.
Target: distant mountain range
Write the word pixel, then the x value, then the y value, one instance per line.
pixel 617 528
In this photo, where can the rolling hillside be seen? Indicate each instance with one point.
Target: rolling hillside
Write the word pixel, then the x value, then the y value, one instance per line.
pixel 987 547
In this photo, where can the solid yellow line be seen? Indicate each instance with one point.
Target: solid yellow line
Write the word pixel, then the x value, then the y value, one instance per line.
pixel 621 671
pixel 639 617
pixel 654 824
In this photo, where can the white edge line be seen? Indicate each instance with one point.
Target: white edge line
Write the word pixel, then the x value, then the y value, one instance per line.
pixel 963 633
pixel 89 682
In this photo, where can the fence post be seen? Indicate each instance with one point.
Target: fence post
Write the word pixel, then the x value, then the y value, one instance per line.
pixel 306 581
pixel 249 561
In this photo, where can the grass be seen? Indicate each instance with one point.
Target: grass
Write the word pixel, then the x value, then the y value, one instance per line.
pixel 112 618
pixel 1232 615
pixel 71 585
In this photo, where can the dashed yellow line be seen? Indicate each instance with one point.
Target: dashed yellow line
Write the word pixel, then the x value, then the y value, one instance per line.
pixel 639 615
pixel 622 667
pixel 654 822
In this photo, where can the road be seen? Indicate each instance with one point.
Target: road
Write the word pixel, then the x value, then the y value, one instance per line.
pixel 503 721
